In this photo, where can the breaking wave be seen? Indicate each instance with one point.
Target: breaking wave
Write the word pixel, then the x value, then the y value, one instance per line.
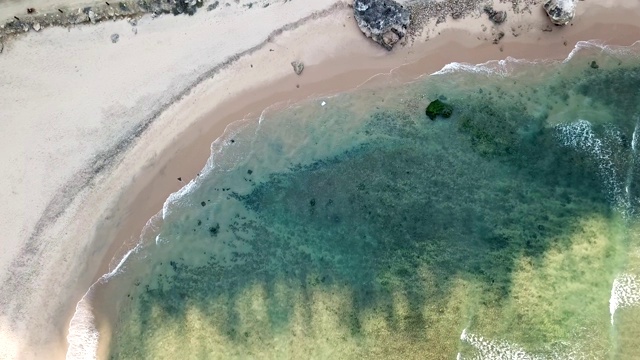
pixel 625 292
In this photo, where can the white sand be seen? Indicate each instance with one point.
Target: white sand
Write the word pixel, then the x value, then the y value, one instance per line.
pixel 67 99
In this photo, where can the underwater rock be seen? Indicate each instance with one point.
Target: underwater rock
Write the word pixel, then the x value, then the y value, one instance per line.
pixel 438 108
pixel 497 17
pixel 594 64
pixel 560 11
pixel 384 21
pixel 298 66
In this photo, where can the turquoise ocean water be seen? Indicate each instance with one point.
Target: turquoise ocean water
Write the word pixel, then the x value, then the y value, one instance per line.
pixel 354 227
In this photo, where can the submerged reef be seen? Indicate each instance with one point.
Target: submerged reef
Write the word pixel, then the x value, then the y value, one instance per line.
pixel 438 108
pixel 385 233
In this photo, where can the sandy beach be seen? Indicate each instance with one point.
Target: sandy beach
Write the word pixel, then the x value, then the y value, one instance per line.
pixel 101 132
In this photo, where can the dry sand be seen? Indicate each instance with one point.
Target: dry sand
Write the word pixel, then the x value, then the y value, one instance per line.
pixel 95 149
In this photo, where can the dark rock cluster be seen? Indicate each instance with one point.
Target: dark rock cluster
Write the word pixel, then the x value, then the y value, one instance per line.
pixel 497 17
pixel 560 11
pixel 33 20
pixel 384 21
pixel 438 108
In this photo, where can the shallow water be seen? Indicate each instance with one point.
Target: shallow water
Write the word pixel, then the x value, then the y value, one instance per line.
pixel 360 228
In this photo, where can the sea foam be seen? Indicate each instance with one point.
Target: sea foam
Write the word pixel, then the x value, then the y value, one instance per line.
pixel 487 349
pixel 599 46
pixel 580 136
pixel 625 292
pixel 83 335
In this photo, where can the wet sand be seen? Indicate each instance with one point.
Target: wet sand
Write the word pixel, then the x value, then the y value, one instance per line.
pixel 177 144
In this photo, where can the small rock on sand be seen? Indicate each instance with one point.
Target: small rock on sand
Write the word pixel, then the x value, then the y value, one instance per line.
pixel 36 26
pixel 298 66
pixel 115 38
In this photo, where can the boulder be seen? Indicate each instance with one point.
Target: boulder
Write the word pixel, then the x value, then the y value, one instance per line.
pixel 438 108
pixel 384 21
pixel 115 38
pixel 560 11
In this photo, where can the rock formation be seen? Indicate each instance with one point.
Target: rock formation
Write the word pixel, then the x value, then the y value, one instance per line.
pixel 497 17
pixel 97 13
pixel 560 11
pixel 438 108
pixel 384 21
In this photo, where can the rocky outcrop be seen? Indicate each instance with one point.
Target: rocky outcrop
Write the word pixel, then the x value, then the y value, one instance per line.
pixel 98 12
pixel 560 11
pixel 497 17
pixel 384 21
pixel 438 108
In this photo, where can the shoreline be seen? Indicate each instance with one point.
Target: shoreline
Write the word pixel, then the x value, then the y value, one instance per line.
pixel 326 81
pixel 185 150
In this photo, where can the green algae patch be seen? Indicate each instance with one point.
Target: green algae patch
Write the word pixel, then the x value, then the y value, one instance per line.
pixel 439 108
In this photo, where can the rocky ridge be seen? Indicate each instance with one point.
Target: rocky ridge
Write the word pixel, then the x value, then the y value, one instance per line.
pixel 384 21
pixel 35 20
pixel 93 14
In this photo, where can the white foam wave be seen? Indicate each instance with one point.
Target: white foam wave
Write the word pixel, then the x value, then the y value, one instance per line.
pixel 504 67
pixel 487 349
pixel 634 137
pixel 496 350
pixel 217 147
pixel 580 136
pixel 493 67
pixel 507 66
pixel 83 335
pixel 176 196
pixel 625 292
pixel 602 47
